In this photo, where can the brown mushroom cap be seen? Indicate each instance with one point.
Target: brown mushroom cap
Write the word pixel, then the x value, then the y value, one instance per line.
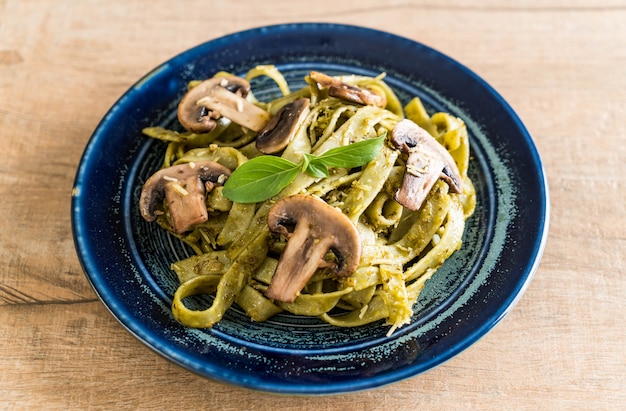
pixel 348 92
pixel 184 186
pixel 427 162
pixel 317 228
pixel 199 119
pixel 281 129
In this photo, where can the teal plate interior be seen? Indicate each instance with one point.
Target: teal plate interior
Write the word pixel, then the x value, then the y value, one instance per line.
pixel 127 260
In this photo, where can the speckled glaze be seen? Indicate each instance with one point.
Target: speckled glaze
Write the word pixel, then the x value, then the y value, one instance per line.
pixel 127 260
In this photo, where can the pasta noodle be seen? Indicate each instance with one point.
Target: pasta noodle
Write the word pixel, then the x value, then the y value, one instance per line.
pixel 236 254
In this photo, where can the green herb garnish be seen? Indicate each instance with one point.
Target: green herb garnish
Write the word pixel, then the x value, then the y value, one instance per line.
pixel 264 177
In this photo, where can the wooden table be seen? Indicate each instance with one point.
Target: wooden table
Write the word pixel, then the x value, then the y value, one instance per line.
pixel 560 64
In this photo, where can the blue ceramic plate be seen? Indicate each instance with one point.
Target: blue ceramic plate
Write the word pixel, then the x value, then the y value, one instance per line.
pixel 127 260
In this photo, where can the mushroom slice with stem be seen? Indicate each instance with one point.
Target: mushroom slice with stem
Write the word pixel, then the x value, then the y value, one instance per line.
pixel 222 96
pixel 317 229
pixel 184 186
pixel 427 162
pixel 281 129
pixel 348 92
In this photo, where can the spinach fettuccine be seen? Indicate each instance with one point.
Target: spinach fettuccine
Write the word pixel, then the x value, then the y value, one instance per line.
pixel 334 200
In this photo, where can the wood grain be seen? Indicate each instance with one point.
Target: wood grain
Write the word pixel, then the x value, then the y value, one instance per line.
pixel 560 64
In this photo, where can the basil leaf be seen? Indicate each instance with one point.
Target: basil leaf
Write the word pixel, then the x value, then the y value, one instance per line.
pixel 352 155
pixel 259 179
pixel 314 168
pixel 304 164
pixel 264 177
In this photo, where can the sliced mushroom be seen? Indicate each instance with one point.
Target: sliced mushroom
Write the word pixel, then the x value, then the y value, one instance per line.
pixel 220 97
pixel 317 228
pixel 184 186
pixel 281 129
pixel 427 162
pixel 349 92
